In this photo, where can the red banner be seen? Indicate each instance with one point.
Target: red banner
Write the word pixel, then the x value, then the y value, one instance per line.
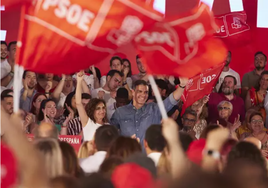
pixel 233 29
pixel 182 47
pixel 74 141
pixel 200 85
pixel 63 37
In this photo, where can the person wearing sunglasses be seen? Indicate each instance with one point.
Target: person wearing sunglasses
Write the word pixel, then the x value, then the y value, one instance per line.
pixel 225 110
pixel 189 119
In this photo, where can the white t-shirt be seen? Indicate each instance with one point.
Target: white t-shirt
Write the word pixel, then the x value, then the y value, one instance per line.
pixel 90 129
pixel 95 92
pixel 155 157
pixel 89 79
pixel 229 72
pixel 93 162
pixel 5 68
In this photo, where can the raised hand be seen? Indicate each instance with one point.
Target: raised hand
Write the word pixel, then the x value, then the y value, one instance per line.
pixel 205 99
pixel 28 120
pixel 48 86
pixel 236 124
pixel 80 76
pixel 183 81
pixel 126 71
pixel 71 112
pixel 93 70
pixel 25 85
pixel 170 130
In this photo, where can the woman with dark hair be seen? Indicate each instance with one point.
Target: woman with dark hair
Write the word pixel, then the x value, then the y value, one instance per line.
pixel 255 97
pixel 123 147
pixel 70 161
pixel 38 98
pixel 93 115
pixel 47 114
pixel 127 72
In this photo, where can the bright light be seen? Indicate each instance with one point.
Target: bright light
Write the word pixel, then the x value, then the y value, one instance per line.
pixel 262 14
pixel 3 34
pixel 160 5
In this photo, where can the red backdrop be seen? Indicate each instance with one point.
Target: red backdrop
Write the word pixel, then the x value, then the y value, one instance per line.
pixel 243 57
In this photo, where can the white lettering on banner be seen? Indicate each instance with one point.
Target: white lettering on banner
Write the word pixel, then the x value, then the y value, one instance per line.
pixel 208 79
pixel 72 12
pixel 195 32
pixel 221 29
pixel 70 140
pixel 155 37
pixel 236 23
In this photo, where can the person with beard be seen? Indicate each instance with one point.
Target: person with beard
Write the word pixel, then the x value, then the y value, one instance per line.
pixel 28 91
pixel 228 71
pixel 8 64
pixel 142 71
pixel 227 94
pixel 251 79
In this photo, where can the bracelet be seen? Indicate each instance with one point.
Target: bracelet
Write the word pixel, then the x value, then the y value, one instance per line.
pixel 124 83
pixel 182 86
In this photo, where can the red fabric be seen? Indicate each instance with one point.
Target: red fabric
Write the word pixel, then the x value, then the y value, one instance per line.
pixel 200 85
pixel 195 150
pixel 233 29
pixel 54 42
pixel 183 47
pixel 130 175
pixel 8 167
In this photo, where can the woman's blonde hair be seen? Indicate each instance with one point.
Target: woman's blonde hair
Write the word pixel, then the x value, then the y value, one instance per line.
pixel 83 151
pixel 163 166
pixel 51 151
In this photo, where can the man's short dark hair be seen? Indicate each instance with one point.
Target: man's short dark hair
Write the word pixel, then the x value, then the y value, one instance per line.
pixel 104 136
pixel 138 56
pixel 86 96
pixel 191 112
pixel 5 94
pixel 185 140
pixel 4 42
pixel 259 52
pixel 113 72
pixel 139 82
pixel 162 84
pixel 10 44
pixel 115 58
pixel 230 53
pixel 155 138
pixel 230 76
pixel 25 72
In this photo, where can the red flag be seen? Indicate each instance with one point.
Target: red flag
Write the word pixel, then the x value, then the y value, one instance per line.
pixel 200 85
pixel 184 46
pixel 59 36
pixel 233 29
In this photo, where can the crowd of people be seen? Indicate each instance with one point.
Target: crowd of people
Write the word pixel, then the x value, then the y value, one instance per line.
pixel 220 140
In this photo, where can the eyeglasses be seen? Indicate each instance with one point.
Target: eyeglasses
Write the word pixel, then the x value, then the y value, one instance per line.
pixel 257 121
pixel 223 108
pixel 190 120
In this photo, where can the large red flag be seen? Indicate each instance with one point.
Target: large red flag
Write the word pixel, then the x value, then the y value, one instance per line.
pixel 64 36
pixel 200 85
pixel 184 46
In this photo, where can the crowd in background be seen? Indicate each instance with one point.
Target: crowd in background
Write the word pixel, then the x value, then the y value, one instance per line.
pixel 220 140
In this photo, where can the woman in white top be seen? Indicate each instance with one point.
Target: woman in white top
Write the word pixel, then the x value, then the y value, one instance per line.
pixel 93 115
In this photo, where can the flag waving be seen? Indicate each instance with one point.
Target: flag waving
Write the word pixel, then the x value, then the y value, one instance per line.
pixel 65 36
pixel 182 47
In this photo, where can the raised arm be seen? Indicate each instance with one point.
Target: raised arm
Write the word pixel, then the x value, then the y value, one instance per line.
pixel 178 92
pixel 78 98
pixel 59 88
pixel 96 79
pixel 85 87
pixel 31 164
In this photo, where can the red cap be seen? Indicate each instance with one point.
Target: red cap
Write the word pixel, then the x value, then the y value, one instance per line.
pixel 131 175
pixel 195 150
pixel 8 167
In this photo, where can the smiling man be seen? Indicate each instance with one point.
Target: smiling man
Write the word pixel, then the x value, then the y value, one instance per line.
pixel 136 117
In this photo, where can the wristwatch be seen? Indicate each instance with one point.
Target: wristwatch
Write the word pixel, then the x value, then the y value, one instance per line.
pixel 212 153
pixel 124 83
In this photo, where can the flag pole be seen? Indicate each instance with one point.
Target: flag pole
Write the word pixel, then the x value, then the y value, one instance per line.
pixel 18 71
pixel 158 97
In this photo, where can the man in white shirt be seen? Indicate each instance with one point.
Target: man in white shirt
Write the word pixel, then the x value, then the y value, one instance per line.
pixel 228 71
pixel 154 142
pixel 104 136
pixel 7 65
pixel 114 79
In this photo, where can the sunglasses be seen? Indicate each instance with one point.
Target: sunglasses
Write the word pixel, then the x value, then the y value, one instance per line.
pixel 223 108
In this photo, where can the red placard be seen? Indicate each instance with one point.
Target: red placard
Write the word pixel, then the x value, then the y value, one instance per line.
pixel 182 47
pixel 65 36
pixel 200 85
pixel 74 141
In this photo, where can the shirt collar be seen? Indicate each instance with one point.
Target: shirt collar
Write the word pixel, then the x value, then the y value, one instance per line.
pixel 130 105
pixel 222 94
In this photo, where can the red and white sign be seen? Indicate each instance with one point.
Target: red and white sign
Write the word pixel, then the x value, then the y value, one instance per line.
pixel 183 46
pixel 55 35
pixel 74 141
pixel 200 85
